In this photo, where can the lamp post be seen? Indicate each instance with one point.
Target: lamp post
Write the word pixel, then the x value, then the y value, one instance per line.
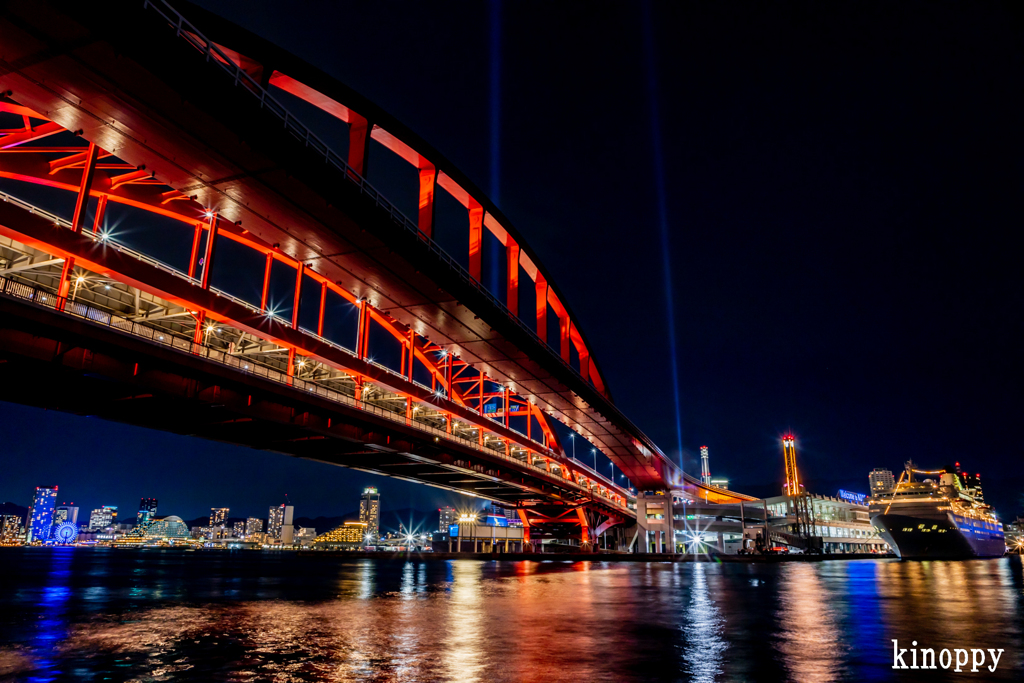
pixel 593 452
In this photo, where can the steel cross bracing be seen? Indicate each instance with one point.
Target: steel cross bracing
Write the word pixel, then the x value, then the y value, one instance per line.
pixel 215 171
pixel 318 377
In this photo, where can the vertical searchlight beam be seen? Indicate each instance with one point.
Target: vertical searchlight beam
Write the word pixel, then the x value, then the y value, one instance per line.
pixel 495 101
pixel 494 252
pixel 651 74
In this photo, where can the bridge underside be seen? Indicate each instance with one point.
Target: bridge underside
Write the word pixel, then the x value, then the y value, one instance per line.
pixel 123 110
pixel 103 373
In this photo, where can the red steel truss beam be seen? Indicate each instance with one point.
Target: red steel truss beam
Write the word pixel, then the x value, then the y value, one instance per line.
pixel 30 135
pixel 103 259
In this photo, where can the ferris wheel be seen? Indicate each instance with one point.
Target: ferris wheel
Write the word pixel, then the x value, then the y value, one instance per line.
pixel 66 533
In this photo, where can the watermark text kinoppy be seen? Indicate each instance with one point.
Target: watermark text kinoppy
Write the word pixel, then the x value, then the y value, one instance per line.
pixel 945 658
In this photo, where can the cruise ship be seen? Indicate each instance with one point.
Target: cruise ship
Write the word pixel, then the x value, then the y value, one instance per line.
pixel 929 519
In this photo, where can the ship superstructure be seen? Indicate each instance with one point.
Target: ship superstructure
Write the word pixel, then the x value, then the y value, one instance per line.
pixel 932 515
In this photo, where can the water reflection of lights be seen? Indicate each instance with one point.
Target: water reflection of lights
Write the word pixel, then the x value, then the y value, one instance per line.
pixel 52 625
pixel 973 602
pixel 810 644
pixel 703 630
pixel 464 655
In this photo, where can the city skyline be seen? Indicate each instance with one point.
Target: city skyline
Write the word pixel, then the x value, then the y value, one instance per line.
pixel 868 315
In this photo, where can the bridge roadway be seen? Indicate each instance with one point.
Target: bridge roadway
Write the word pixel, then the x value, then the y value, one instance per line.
pixel 169 124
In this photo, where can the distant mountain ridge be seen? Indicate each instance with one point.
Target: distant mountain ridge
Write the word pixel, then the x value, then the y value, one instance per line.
pixel 14 509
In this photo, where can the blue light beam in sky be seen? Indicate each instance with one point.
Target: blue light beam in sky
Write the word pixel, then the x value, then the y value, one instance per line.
pixel 650 68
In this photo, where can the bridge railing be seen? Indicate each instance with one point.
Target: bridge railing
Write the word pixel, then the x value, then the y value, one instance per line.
pixel 78 309
pixel 186 30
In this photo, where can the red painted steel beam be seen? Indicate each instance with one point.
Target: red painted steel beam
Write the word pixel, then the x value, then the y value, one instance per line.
pixel 426 203
pixel 512 290
pixel 108 261
pixel 542 307
pixel 88 173
pixel 476 238
pixel 30 135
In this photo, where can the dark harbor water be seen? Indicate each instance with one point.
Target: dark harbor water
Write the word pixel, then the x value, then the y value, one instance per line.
pixel 102 615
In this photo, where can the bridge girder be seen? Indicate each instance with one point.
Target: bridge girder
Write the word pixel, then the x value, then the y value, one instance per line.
pixel 142 90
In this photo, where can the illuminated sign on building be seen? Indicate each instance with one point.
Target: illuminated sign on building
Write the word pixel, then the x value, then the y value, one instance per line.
pixel 851 497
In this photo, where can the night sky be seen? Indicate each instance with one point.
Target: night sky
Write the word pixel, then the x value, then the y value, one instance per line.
pixel 841 183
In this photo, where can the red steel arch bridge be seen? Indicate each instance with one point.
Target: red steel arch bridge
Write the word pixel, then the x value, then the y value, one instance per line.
pixel 182 250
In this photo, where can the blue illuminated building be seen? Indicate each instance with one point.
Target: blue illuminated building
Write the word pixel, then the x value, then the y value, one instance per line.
pixel 41 514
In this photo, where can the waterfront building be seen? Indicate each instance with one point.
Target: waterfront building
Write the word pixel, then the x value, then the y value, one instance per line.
pixel 275 520
pixel 512 515
pixel 65 513
pixel 348 536
pixel 495 516
pixel 279 524
pixel 147 510
pixel 102 517
pixel 843 525
pixel 200 532
pixel 369 511
pixel 40 515
pixel 447 517
pixel 1014 533
pixel 720 482
pixel 492 534
pixel 10 530
pixel 167 531
pixel 253 526
pixel 880 480
pixel 239 529
pixel 304 535
pixel 219 516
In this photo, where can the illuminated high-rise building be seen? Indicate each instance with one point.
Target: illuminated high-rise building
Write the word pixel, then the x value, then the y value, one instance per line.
pixel 219 516
pixel 10 529
pixel 279 525
pixel 369 511
pixel 239 529
pixel 40 515
pixel 253 526
pixel 147 511
pixel 881 480
pixel 65 513
pixel 275 520
pixel 705 469
pixel 448 517
pixel 792 486
pixel 102 517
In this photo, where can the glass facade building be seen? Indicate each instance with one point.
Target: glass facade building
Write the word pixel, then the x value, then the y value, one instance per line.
pixel 102 517
pixel 41 514
pixel 219 516
pixel 369 511
pixel 147 511
pixel 447 517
